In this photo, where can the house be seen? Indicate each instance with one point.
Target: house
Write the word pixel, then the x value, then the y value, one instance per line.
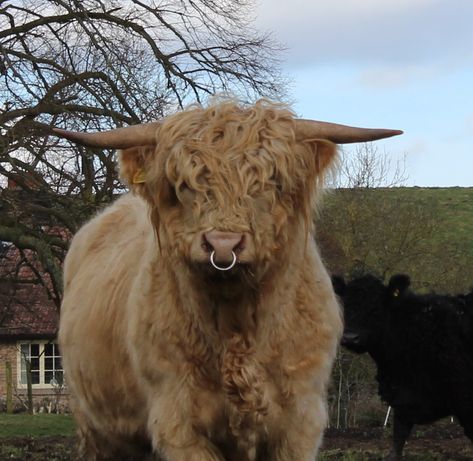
pixel 28 326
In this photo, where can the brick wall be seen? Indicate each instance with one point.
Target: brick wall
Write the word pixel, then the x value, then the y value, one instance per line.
pixel 44 400
pixel 8 353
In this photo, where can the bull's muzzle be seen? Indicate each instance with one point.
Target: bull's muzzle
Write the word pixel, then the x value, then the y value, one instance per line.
pixel 220 268
pixel 223 247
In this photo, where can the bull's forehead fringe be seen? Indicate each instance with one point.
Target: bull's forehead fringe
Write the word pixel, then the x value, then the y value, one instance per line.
pixel 240 148
pixel 239 162
pixel 227 130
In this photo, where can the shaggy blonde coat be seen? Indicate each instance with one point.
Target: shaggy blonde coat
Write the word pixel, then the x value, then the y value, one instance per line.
pixel 161 354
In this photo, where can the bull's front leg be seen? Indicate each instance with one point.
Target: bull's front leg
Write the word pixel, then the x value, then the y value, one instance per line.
pixel 176 426
pixel 299 432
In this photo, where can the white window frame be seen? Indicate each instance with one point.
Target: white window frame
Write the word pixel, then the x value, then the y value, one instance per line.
pixel 42 369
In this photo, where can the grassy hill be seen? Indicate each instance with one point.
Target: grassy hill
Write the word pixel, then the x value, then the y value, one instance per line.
pixel 426 232
pixel 453 208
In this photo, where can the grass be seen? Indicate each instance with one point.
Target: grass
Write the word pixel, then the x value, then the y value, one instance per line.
pixel 448 251
pixel 40 425
pixel 11 452
pixel 349 455
pixel 371 455
pixel 425 232
pixel 453 207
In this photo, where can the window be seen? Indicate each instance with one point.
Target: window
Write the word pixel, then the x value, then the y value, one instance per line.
pixel 46 366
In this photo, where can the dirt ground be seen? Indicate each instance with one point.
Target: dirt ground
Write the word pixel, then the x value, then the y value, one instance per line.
pixel 436 443
pixel 441 442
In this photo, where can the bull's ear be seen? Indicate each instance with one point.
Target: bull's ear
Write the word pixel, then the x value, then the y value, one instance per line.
pixel 339 285
pixel 325 153
pixel 133 165
pixel 398 284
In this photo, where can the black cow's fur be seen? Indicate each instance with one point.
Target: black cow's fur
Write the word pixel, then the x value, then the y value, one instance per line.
pixel 422 346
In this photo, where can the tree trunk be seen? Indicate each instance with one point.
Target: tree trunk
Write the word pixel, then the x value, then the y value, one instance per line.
pixel 9 380
pixel 29 386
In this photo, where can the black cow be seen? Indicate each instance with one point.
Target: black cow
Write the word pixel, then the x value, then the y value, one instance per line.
pixel 422 346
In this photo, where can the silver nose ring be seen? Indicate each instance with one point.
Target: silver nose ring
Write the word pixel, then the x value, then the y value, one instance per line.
pixel 223 268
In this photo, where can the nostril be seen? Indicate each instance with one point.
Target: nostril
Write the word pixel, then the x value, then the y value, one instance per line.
pixel 240 246
pixel 350 337
pixel 206 246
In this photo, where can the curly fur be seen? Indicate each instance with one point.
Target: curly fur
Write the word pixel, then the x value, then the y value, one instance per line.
pixel 160 348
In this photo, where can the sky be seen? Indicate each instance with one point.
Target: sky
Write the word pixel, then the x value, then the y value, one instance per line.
pixel 401 64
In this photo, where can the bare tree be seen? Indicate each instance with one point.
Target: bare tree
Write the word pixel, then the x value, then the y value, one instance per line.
pixel 364 166
pixel 365 225
pixel 352 396
pixel 95 64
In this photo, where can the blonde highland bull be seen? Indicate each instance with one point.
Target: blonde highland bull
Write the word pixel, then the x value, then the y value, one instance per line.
pixel 198 321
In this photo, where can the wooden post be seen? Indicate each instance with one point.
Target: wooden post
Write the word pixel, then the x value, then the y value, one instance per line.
pixel 9 380
pixel 339 397
pixel 387 416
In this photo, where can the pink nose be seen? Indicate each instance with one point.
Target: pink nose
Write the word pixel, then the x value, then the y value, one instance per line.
pixel 223 243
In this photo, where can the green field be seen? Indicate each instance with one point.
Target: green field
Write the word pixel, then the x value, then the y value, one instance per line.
pixel 451 206
pixel 41 437
pixel 424 232
pixel 40 425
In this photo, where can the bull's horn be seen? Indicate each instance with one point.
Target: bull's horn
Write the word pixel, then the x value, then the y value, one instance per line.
pixel 145 134
pixel 119 138
pixel 340 134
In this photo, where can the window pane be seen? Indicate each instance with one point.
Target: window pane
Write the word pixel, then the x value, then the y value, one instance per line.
pixel 24 354
pixel 49 349
pixel 48 376
pixel 48 363
pixel 34 363
pixel 35 350
pixel 57 363
pixel 25 350
pixel 59 377
pixel 53 377
pixel 35 377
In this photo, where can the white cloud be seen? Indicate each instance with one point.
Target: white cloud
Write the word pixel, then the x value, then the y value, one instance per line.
pixel 284 11
pixel 395 77
pixel 372 31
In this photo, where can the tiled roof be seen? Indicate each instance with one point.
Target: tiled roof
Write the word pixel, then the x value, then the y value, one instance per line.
pixel 25 309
